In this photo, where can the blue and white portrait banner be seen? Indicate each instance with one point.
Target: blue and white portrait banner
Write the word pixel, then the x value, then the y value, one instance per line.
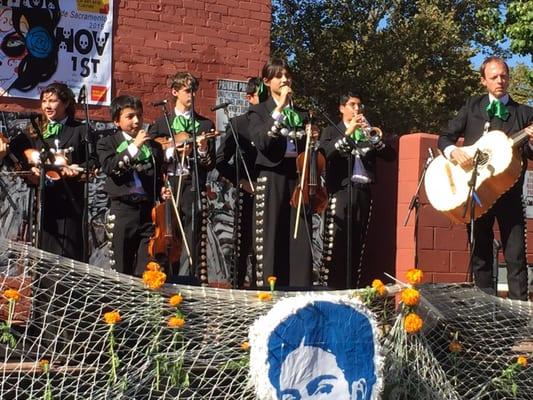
pixel 45 41
pixel 316 346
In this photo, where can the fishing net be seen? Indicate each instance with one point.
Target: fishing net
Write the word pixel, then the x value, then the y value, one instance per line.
pixel 59 339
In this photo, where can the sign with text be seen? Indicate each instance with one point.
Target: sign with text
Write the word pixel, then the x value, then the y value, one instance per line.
pixel 45 41
pixel 233 92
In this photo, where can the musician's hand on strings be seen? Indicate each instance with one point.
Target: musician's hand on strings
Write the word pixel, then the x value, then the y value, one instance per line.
pixel 201 142
pixel 36 171
pixel 244 184
pixel 3 149
pixel 166 193
pixel 462 158
pixel 529 131
pixel 70 171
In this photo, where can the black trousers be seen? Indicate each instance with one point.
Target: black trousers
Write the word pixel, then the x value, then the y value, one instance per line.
pixel 246 237
pixel 360 212
pixel 278 253
pixel 131 234
pixel 509 213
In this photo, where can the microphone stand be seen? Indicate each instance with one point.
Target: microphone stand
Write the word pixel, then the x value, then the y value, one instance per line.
pixel 89 155
pixel 195 186
pixel 415 204
pixel 472 198
pixel 239 158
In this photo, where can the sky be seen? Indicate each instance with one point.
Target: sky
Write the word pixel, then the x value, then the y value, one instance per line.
pixel 477 60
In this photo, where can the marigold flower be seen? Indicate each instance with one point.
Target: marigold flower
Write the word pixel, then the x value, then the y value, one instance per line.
pixel 410 297
pixel 175 300
pixel 412 323
pixel 264 296
pixel 272 282
pixel 154 279
pixel 245 345
pixel 414 276
pixel 176 322
pixel 455 346
pixel 376 283
pixel 522 361
pixel 112 317
pixel 43 364
pixel 153 266
pixel 12 294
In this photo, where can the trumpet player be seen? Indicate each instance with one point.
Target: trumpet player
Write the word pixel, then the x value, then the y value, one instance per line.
pixel 351 150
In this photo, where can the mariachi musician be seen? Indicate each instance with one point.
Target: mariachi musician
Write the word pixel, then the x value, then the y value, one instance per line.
pixel 183 86
pixel 351 170
pixel 278 132
pixel 495 110
pixel 61 231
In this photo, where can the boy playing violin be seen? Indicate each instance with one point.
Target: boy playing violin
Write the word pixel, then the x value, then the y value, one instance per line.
pixel 132 163
pixel 183 85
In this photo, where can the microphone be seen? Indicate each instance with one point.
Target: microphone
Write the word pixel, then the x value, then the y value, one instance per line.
pixel 28 115
pixel 221 105
pixel 82 95
pixel 159 103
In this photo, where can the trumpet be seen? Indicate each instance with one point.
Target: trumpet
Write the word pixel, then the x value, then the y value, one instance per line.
pixel 372 134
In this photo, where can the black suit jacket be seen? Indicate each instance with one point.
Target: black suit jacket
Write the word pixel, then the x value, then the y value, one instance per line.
pixel 270 150
pixel 228 148
pixel 470 122
pixel 338 168
pixel 205 164
pixel 71 136
pixel 119 181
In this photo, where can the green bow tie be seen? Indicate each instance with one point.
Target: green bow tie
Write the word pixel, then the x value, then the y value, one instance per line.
pixel 357 135
pixel 497 109
pixel 182 124
pixel 292 118
pixel 144 152
pixel 52 129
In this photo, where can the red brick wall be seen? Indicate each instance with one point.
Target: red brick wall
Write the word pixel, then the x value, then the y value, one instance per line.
pixel 213 39
pixel 442 245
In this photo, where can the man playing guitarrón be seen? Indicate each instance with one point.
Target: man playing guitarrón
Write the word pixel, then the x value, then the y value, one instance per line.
pixel 495 110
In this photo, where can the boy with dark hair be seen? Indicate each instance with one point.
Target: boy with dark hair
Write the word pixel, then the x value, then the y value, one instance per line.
pixel 132 163
pixel 183 85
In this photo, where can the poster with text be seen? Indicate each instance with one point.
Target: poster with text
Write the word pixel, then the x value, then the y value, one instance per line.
pixel 45 41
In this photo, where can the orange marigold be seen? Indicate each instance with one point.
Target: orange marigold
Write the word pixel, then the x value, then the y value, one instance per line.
pixel 245 345
pixel 264 296
pixel 522 361
pixel 412 323
pixel 12 294
pixel 43 364
pixel 410 297
pixel 271 279
pixel 112 317
pixel 154 279
pixel 175 300
pixel 414 276
pixel 153 266
pixel 455 346
pixel 176 322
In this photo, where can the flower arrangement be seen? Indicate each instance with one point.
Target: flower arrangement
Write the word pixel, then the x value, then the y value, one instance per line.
pixel 410 298
pixel 370 293
pixel 153 277
pixel 506 382
pixel 12 296
pixel 112 318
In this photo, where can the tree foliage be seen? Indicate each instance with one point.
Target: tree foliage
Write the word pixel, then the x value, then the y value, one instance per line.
pixel 521 86
pixel 408 59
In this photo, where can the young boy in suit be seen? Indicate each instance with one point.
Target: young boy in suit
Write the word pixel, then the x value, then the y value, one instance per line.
pixel 132 163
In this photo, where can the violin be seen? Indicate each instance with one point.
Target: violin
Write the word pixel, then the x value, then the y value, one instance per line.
pixel 164 243
pixel 182 140
pixel 311 165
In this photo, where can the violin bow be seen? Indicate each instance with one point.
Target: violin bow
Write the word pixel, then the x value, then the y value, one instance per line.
pixel 302 177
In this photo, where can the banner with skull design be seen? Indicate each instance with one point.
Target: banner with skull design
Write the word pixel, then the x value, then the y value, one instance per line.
pixel 45 41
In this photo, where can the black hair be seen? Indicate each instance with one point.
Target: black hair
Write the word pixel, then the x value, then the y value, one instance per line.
pixel 125 101
pixel 343 98
pixel 273 67
pixel 253 85
pixel 64 94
